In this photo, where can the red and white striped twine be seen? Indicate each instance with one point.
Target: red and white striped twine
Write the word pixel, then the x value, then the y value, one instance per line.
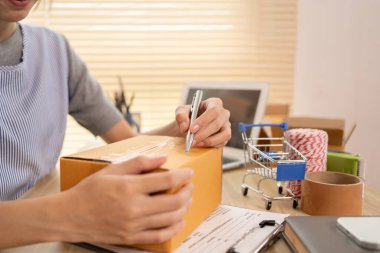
pixel 311 143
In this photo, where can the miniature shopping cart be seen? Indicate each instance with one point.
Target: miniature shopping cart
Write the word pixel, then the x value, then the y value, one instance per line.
pixel 271 159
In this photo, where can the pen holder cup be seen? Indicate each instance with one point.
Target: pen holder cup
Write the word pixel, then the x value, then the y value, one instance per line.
pixel 332 194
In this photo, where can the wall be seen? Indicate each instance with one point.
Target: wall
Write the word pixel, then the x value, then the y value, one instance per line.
pixel 338 71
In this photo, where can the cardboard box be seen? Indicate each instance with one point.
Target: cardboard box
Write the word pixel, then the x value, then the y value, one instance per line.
pixel 274 113
pixel 206 163
pixel 333 127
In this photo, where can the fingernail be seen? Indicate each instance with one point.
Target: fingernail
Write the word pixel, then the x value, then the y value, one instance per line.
pixel 194 142
pixel 183 126
pixel 195 128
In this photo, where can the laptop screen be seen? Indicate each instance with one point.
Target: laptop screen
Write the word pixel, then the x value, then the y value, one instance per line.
pixel 242 105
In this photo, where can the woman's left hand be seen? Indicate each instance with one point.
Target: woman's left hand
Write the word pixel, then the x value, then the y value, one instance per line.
pixel 212 127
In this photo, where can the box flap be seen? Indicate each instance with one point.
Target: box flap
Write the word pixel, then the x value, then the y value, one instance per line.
pixel 313 122
pixel 277 109
pixel 144 145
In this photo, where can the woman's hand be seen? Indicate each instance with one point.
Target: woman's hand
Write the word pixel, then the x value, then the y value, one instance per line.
pixel 122 204
pixel 212 128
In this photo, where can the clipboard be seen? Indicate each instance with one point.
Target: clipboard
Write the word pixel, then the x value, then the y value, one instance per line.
pixel 222 229
pixel 274 237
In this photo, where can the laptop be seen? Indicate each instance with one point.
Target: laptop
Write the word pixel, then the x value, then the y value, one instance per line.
pixel 246 102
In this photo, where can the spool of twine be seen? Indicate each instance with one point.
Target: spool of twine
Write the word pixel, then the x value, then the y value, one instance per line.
pixel 311 143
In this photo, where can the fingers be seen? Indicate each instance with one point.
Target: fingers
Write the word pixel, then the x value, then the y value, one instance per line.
pixel 213 121
pixel 162 203
pixel 136 165
pixel 217 140
pixel 160 217
pixel 206 131
pixel 210 110
pixel 182 116
pixel 155 235
pixel 160 220
pixel 162 181
pixel 118 193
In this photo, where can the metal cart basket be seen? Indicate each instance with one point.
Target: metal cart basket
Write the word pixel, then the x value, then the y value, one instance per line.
pixel 271 159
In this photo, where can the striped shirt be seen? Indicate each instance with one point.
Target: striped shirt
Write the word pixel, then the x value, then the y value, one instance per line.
pixel 35 97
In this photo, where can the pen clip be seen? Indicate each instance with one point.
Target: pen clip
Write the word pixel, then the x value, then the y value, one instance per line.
pixel 197 98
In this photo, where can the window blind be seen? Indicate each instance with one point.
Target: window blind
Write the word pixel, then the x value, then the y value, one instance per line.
pixel 157 46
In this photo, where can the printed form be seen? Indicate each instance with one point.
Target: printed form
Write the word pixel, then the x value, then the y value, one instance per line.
pixel 227 226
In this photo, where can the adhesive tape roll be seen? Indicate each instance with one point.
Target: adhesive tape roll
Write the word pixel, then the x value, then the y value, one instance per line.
pixel 332 193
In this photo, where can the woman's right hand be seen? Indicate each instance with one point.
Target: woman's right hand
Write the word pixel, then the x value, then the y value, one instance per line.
pixel 122 204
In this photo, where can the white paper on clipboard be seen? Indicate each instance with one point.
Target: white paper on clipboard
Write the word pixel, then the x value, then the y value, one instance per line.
pixel 224 226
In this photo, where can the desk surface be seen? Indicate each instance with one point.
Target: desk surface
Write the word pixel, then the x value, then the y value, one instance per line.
pixel 231 195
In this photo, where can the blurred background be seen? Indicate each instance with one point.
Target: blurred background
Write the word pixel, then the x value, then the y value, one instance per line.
pixel 321 58
pixel 157 46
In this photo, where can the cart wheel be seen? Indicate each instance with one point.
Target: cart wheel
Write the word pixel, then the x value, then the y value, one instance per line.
pixel 295 203
pixel 280 189
pixel 269 205
pixel 244 190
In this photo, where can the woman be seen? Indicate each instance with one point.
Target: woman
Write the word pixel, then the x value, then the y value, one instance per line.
pixel 41 81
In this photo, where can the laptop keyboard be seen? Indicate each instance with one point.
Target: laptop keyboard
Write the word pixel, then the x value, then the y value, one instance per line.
pixel 228 160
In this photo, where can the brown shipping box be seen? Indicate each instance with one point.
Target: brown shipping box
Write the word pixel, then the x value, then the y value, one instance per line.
pixel 207 179
pixel 277 113
pixel 274 113
pixel 333 127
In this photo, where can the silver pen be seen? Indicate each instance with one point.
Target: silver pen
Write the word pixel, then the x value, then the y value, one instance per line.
pixel 197 98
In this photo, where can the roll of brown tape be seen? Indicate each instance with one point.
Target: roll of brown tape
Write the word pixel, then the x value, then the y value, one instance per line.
pixel 332 193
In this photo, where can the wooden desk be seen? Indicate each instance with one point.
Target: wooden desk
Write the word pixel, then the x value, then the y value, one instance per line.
pixel 231 195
